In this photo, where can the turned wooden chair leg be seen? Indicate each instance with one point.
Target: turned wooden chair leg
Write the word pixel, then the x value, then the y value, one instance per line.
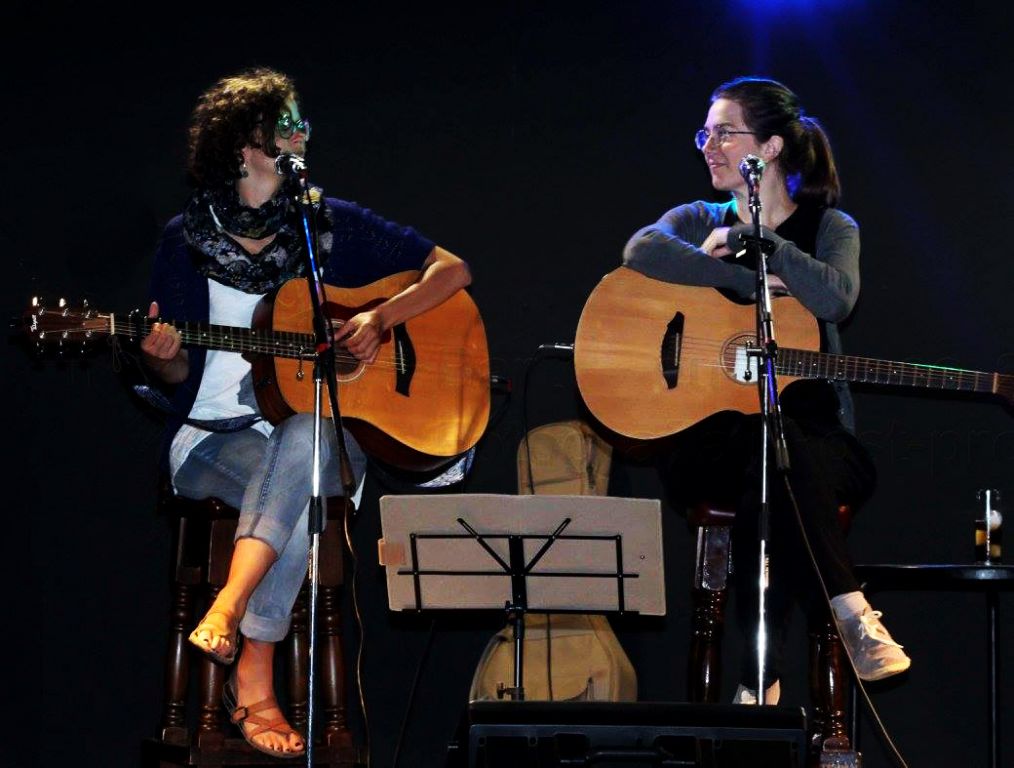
pixel 211 731
pixel 829 690
pixel 186 578
pixel 332 658
pixel 299 661
pixel 709 591
pixel 330 652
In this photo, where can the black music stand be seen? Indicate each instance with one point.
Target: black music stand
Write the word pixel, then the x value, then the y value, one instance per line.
pixel 520 554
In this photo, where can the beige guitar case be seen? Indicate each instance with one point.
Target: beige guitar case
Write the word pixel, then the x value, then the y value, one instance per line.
pixel 568 657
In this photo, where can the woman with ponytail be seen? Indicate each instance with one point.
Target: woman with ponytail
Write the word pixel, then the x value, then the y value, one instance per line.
pixel 816 260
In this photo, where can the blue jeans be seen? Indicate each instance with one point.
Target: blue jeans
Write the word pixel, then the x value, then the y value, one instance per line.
pixel 269 480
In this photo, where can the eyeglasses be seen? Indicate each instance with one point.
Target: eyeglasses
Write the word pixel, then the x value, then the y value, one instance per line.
pixel 720 135
pixel 284 127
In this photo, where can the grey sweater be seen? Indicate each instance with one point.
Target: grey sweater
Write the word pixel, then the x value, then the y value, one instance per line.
pixel 825 282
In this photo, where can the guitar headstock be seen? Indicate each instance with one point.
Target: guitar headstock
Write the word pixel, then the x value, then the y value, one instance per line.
pixel 64 326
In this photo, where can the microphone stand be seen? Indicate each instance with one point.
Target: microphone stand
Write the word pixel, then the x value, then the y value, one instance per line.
pixel 295 184
pixel 766 352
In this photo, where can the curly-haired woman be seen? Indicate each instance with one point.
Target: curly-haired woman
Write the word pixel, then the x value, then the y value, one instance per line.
pixel 238 240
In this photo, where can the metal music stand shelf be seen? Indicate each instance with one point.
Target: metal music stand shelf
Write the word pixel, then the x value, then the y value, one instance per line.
pixel 980 577
pixel 519 554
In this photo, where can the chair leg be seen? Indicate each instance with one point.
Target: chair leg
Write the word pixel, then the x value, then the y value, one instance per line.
pixel 330 652
pixel 333 668
pixel 709 591
pixel 829 683
pixel 211 729
pixel 185 579
pixel 705 663
pixel 332 577
pixel 210 737
pixel 299 662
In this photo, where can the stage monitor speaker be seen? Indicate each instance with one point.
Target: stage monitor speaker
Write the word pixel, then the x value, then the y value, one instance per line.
pixel 540 734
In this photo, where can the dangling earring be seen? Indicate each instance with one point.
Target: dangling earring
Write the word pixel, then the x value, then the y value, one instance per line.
pixel 243 172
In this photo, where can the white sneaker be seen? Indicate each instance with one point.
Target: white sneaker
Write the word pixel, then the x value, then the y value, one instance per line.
pixel 871 646
pixel 746 695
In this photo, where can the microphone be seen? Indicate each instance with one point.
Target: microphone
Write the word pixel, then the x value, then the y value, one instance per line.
pixel 751 168
pixel 290 166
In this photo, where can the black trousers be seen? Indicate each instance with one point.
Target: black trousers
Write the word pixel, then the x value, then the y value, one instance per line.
pixel 719 460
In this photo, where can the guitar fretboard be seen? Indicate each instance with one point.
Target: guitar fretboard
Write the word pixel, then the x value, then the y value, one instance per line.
pixel 231 339
pixel 822 365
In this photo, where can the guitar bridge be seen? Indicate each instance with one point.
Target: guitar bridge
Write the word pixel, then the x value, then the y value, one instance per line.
pixel 404 360
pixel 672 347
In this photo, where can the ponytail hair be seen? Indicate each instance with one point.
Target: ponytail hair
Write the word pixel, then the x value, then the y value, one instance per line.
pixel 771 109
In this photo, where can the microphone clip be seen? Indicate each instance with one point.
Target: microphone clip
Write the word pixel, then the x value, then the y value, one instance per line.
pixel 751 168
pixel 762 244
pixel 291 166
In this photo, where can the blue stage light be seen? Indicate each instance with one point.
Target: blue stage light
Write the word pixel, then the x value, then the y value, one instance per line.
pixel 803 6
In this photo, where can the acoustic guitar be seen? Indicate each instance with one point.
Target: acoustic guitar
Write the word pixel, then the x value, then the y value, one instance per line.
pixel 422 401
pixel 653 358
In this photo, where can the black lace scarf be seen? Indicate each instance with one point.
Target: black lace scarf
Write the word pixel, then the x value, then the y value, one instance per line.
pixel 212 213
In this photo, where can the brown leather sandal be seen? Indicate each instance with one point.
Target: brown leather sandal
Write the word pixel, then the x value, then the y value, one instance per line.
pixel 232 636
pixel 241 715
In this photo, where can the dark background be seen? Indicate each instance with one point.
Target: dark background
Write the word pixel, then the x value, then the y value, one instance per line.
pixel 532 139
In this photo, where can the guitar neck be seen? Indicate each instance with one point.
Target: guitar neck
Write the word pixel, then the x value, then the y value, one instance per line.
pixel 289 344
pixel 823 365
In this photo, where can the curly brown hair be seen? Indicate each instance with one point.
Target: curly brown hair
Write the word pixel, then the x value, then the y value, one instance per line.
pixel 236 111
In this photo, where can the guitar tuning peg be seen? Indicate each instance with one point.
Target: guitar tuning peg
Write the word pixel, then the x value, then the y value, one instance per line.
pixel 62 303
pixel 84 303
pixel 36 302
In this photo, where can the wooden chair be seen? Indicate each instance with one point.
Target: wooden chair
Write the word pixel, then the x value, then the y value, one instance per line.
pixel 203 539
pixel 829 674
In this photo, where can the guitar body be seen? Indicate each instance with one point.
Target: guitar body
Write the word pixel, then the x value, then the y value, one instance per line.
pixel 653 358
pixel 424 400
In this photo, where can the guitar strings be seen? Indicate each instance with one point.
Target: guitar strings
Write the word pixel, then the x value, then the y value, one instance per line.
pixel 691 349
pixel 699 351
pixel 255 345
pixel 709 353
pixel 212 343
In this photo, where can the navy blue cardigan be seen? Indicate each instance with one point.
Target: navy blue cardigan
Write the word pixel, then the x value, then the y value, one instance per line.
pixel 366 248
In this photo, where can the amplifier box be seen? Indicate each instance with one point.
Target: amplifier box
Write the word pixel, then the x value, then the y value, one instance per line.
pixel 540 734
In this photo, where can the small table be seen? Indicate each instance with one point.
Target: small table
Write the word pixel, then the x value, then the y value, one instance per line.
pixel 965 577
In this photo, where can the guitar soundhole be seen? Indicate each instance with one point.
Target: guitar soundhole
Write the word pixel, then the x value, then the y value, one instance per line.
pixel 346 365
pixel 737 363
